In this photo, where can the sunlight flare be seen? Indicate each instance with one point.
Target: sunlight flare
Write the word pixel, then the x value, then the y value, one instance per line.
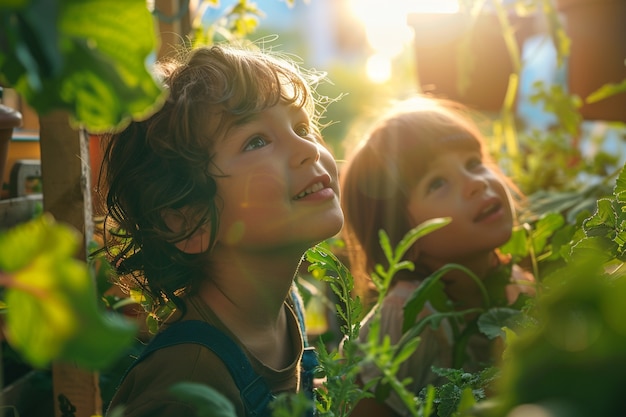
pixel 388 32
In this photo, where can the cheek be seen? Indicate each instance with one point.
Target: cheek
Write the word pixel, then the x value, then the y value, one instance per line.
pixel 250 205
pixel 422 211
pixel 262 190
pixel 329 163
pixel 438 242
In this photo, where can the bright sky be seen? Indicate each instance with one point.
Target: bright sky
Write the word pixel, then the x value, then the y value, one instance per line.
pixel 387 30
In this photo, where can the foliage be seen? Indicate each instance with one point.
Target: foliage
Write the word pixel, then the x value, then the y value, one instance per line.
pixel 44 284
pixel 208 401
pixel 573 362
pixel 462 391
pixel 340 392
pixel 85 56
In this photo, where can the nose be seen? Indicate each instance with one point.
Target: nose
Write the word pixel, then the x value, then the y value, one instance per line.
pixel 304 151
pixel 475 185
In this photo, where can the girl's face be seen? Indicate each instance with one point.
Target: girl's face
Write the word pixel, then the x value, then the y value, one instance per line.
pixel 278 184
pixel 457 185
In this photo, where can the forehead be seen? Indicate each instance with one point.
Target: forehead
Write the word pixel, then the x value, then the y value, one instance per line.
pixel 235 124
pixel 420 154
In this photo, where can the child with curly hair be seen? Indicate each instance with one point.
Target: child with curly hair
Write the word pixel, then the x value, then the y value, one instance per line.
pixel 211 203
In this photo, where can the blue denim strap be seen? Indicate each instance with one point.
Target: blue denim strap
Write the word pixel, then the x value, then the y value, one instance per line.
pixel 254 391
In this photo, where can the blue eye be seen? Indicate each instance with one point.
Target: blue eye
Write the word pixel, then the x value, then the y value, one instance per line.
pixel 474 163
pixel 302 130
pixel 255 143
pixel 435 184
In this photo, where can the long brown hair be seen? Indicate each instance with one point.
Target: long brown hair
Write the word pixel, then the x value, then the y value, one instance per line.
pixel 379 175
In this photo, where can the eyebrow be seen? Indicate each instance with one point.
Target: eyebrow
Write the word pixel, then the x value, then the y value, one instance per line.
pixel 236 124
pixel 240 121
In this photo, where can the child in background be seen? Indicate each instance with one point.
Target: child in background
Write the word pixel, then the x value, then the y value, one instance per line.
pixel 212 202
pixel 426 159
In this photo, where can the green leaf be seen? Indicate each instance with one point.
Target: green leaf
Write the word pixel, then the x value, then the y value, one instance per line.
pixel 516 245
pixel 561 240
pixel 53 311
pixel 602 222
pixel 450 396
pixel 41 236
pixel 431 287
pixel 103 336
pixel 467 400
pixel 606 91
pixel 492 322
pixel 39 319
pixel 421 230
pixel 207 401
pixel 593 248
pixel 104 80
pixel 433 290
pixel 544 229
pixel 31 44
pixel 620 182
pixel 406 350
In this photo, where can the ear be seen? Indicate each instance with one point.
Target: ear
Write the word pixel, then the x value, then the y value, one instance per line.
pixel 180 221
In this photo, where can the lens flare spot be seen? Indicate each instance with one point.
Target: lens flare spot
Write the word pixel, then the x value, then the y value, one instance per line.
pixel 235 233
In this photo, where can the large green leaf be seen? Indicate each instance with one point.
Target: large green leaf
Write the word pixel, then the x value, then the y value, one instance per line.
pixel 53 311
pixel 207 401
pixel 103 48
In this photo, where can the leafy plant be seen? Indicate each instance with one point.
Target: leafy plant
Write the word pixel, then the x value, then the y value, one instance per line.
pixel 84 56
pixel 44 283
pixel 573 361
pixel 340 391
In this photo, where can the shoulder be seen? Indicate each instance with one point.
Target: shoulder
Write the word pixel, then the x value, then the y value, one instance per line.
pixel 147 386
pixel 154 406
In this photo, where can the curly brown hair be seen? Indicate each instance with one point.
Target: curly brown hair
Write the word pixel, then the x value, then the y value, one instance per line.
pixel 165 161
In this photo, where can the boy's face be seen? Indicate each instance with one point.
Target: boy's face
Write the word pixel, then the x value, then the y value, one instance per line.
pixel 279 187
pixel 458 185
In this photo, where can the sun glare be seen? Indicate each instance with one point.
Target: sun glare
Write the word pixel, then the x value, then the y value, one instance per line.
pixel 378 68
pixel 387 30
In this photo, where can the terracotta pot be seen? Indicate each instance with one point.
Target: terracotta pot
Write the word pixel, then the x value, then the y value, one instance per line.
pixel 597 30
pixel 465 59
pixel 9 119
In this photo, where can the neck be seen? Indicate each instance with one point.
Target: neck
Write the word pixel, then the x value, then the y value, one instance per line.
pixel 248 289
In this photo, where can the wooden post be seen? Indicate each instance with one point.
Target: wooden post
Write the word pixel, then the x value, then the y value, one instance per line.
pixel 65 165
pixel 67 196
pixel 173 24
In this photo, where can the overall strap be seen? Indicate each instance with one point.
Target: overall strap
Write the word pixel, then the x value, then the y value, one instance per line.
pixel 310 362
pixel 298 306
pixel 254 391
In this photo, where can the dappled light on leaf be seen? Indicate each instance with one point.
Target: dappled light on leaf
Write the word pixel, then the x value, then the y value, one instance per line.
pixel 101 69
pixel 53 312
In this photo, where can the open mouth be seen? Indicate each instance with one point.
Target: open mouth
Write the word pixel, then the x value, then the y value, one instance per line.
pixel 310 190
pixel 488 211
